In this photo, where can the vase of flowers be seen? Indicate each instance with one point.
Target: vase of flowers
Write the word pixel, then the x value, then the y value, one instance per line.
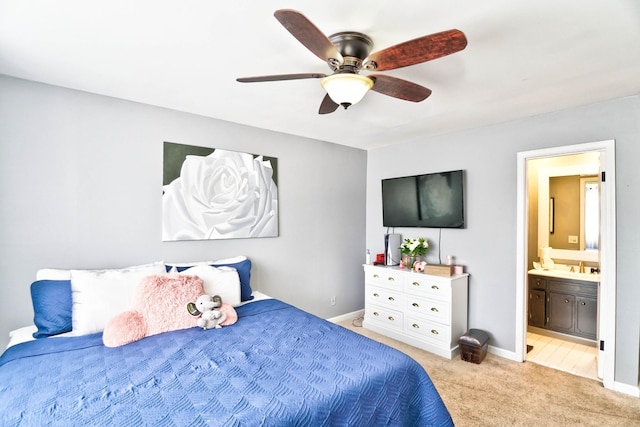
pixel 412 250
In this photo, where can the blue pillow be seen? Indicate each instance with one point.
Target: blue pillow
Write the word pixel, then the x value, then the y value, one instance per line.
pixel 51 307
pixel 244 273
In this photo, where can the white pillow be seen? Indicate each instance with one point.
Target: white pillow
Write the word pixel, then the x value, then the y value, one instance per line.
pixel 223 281
pixel 98 295
pixel 53 274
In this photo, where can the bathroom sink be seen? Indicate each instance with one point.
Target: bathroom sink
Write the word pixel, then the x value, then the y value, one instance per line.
pixel 564 274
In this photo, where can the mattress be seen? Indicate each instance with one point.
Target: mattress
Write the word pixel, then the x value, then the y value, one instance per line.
pixel 277 365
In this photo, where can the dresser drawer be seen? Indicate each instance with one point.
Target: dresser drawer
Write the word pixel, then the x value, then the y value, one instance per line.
pixel 384 277
pixel 427 330
pixel 389 318
pixel 428 286
pixel 433 309
pixel 383 296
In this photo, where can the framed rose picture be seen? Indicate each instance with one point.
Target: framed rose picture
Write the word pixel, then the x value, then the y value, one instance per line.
pixel 211 193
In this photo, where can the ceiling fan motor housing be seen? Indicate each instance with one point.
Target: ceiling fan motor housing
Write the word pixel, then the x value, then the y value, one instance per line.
pixel 354 48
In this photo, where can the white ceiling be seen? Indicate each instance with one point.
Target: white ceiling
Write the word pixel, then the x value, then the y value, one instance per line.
pixel 523 58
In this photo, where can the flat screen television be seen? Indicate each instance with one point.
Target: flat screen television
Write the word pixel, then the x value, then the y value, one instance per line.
pixel 434 200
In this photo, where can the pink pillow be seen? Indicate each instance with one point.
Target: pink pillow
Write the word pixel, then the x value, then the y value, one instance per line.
pixel 159 305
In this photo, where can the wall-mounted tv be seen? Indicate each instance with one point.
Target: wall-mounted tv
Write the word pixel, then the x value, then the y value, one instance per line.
pixel 434 200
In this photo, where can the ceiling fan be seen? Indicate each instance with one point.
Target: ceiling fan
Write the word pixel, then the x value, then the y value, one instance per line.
pixel 348 52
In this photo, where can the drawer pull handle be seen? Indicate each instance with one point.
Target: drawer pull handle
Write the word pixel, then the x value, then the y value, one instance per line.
pixel 434 287
pixel 391 318
pixel 434 332
pixel 390 299
pixel 376 295
pixel 375 276
pixel 391 279
pixel 415 325
pixel 375 313
pixel 434 309
pixel 416 284
pixel 416 305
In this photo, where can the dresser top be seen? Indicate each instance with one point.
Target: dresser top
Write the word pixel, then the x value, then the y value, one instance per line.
pixel 404 270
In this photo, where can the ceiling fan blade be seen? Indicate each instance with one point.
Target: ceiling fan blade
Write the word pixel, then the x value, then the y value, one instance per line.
pixel 418 50
pixel 308 34
pixel 398 88
pixel 277 77
pixel 327 106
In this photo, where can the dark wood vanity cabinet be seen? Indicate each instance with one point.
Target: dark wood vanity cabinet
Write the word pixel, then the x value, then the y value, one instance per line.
pixel 564 305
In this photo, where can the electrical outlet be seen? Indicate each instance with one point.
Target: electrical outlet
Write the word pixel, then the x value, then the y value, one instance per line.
pixel 333 300
pixel 573 239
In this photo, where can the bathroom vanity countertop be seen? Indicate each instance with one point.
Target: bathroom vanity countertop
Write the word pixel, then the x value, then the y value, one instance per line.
pixel 563 274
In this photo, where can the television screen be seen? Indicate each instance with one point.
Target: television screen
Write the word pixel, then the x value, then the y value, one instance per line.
pixel 432 200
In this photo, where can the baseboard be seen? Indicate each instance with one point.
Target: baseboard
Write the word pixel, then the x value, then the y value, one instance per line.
pixel 510 355
pixel 626 389
pixel 347 316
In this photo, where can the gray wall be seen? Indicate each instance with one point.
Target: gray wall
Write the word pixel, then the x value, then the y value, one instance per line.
pixel 81 185
pixel 488 245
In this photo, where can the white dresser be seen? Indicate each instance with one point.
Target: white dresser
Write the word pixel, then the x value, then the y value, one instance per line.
pixel 428 312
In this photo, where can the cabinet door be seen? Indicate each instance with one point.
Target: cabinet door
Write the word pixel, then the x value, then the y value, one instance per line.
pixel 561 308
pixel 587 316
pixel 537 312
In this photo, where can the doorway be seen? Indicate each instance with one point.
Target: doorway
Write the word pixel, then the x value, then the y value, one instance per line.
pixel 607 254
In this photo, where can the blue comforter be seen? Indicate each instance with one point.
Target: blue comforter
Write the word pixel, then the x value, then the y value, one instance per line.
pixel 277 366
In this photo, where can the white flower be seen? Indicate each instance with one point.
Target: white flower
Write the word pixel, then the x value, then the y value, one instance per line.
pixel 223 195
pixel 415 247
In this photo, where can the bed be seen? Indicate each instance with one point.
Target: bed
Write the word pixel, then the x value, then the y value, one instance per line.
pixel 277 365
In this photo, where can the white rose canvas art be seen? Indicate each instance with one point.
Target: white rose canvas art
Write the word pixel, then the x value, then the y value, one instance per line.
pixel 218 194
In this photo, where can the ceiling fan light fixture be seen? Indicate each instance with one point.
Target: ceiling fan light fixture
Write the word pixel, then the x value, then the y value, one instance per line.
pixel 346 89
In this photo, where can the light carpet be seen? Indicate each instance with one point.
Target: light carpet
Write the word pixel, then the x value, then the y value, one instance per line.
pixel 500 392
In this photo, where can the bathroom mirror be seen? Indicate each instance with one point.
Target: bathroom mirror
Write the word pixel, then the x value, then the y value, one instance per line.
pixel 574 212
pixel 568 210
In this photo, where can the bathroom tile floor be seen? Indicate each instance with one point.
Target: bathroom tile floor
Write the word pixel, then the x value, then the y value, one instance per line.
pixel 575 358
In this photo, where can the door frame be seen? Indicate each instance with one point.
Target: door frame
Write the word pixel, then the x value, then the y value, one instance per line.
pixel 607 295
